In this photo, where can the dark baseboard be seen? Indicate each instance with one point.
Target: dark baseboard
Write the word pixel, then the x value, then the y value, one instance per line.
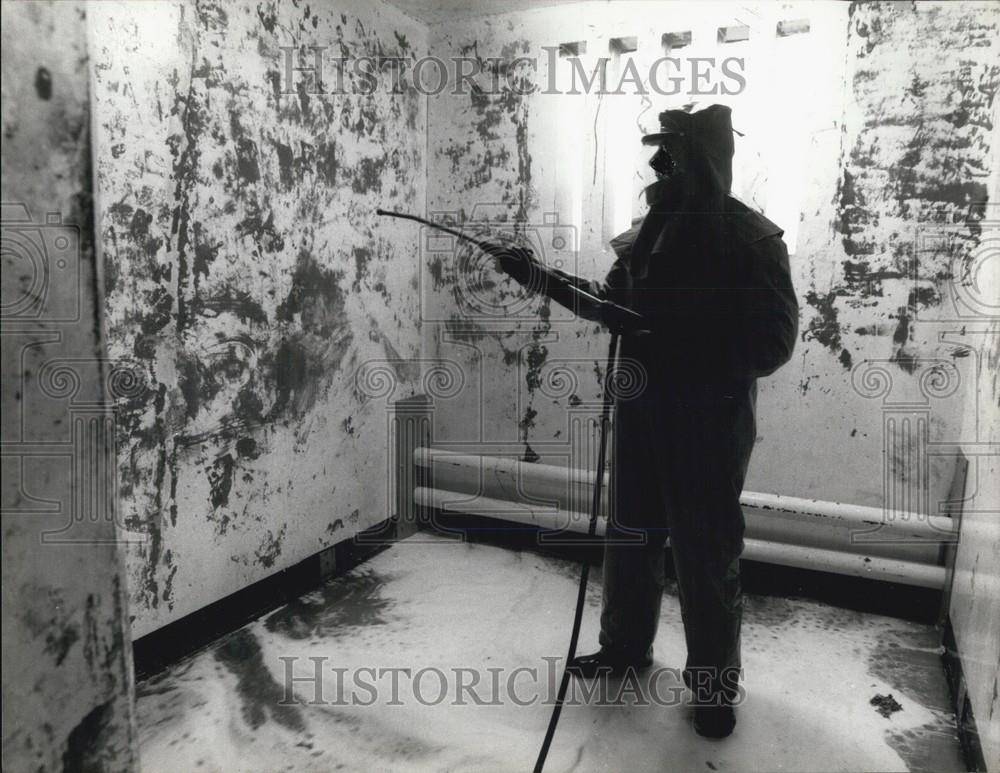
pixel 165 646
pixel 908 602
pixel 968 735
pixel 157 650
pixel 857 593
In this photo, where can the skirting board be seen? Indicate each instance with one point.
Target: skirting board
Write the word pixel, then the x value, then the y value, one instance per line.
pixel 858 593
pixel 968 734
pixel 157 650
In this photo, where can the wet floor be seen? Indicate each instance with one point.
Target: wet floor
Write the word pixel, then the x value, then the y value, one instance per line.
pixel 442 656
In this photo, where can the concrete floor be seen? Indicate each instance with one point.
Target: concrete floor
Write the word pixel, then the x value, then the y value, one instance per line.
pixel 433 606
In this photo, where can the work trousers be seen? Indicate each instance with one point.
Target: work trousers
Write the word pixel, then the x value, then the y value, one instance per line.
pixel 678 470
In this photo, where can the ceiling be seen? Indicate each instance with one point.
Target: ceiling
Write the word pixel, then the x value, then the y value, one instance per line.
pixel 437 11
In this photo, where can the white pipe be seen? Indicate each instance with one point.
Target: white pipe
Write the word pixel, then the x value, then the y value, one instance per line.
pixel 918 525
pixel 518 512
pixel 820 559
pixel 855 564
pixel 512 478
pixel 496 465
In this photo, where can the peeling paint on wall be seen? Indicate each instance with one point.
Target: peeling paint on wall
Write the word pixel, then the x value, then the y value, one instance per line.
pixel 977 560
pixel 67 671
pixel 896 141
pixel 247 267
pixel 918 153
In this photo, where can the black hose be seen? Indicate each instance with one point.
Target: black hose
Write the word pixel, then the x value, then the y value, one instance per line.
pixel 581 595
pixel 492 248
pixel 481 244
pixel 595 504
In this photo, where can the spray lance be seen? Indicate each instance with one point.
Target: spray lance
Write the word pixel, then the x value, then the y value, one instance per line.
pixel 620 320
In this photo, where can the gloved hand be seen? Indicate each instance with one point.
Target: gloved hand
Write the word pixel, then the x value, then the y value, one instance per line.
pixel 516 261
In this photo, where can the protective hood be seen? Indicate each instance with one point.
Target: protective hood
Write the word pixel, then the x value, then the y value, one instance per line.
pixel 701 188
pixel 708 139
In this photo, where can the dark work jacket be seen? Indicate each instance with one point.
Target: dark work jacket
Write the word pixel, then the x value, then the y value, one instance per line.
pixel 718 299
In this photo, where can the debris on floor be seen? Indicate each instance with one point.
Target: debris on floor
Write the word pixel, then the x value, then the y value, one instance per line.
pixel 886 705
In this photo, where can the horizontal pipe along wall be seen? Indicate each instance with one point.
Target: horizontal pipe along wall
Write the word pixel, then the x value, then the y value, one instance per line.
pixel 871 169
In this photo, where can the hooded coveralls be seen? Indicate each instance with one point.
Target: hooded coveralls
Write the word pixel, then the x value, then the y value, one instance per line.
pixel 713 279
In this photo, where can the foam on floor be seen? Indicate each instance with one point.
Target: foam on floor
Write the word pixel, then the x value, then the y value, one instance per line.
pixel 448 611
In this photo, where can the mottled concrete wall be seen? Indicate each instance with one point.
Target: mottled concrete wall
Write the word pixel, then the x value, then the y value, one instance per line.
pixel 975 601
pixel 975 593
pixel 249 279
pixel 885 298
pixel 67 692
pixel 890 146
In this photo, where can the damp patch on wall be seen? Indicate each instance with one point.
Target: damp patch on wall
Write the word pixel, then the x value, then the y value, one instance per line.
pixel 248 278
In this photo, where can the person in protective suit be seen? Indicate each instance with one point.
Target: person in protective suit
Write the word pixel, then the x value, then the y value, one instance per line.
pixel 711 279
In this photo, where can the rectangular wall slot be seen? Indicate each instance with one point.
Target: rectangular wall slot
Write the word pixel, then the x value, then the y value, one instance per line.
pixel 573 49
pixel 671 40
pixel 734 34
pixel 623 45
pixel 792 27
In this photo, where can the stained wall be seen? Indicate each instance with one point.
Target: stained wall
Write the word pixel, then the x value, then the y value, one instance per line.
pixel 975 602
pixel 67 670
pixel 248 279
pixel 870 153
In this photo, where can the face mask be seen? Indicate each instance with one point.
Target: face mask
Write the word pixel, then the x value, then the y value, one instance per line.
pixel 663 192
pixel 662 164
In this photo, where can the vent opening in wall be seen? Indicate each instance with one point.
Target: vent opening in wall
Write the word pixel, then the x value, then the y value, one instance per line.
pixel 671 40
pixel 734 34
pixel 623 45
pixel 575 48
pixel 792 27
